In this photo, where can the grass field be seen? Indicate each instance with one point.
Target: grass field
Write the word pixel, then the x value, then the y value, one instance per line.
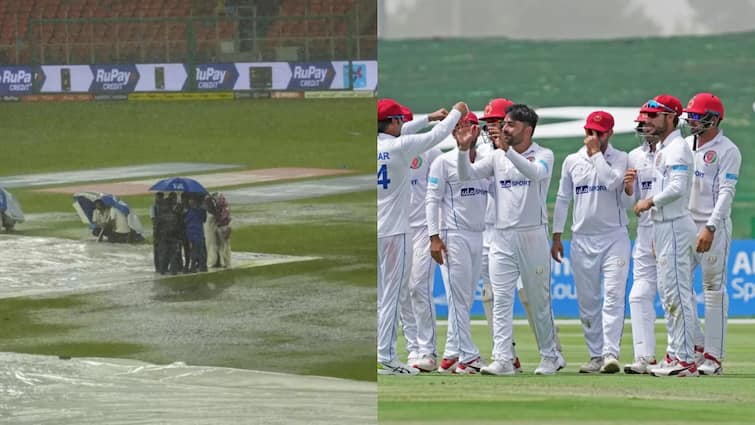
pixel 313 317
pixel 428 74
pixel 571 397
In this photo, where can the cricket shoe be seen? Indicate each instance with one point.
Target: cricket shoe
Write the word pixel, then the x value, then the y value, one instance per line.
pixel 395 367
pixel 593 366
pixel 412 358
pixel 469 368
pixel 448 365
pixel 680 369
pixel 711 366
pixel 501 368
pixel 425 364
pixel 699 355
pixel 610 364
pixel 641 366
pixel 551 365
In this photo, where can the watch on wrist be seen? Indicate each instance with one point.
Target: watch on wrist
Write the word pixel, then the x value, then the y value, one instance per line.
pixel 711 228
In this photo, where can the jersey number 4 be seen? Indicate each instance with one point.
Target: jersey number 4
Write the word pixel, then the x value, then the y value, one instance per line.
pixel 382 176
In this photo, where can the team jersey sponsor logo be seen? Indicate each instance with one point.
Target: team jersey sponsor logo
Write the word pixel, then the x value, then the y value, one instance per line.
pixel 581 190
pixel 472 191
pixel 710 157
pixel 416 162
pixel 505 184
pixel 699 174
pixel 646 185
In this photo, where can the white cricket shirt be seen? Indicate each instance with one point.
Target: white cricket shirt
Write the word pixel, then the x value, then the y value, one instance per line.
pixel 673 178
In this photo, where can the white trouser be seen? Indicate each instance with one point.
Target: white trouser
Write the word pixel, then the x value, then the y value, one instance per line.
pixel 394 268
pixel 642 294
pixel 606 254
pixel 524 253
pixel 461 272
pixel 224 247
pixel 714 269
pixel 421 292
pixel 674 244
pixel 487 291
pixel 211 239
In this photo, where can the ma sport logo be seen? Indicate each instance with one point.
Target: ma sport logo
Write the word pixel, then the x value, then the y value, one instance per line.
pixel 505 184
pixel 472 191
pixel 646 185
pixel 580 190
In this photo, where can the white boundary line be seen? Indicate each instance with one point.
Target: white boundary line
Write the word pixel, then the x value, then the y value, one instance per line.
pixel 577 322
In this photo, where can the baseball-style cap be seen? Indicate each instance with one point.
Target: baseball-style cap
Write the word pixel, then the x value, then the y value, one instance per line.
pixel 496 109
pixel 389 108
pixel 704 103
pixel 408 115
pixel 600 121
pixel 472 118
pixel 663 103
pixel 641 118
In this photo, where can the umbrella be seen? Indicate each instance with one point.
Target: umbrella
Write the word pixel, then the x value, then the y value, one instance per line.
pixel 83 203
pixel 178 184
pixel 10 207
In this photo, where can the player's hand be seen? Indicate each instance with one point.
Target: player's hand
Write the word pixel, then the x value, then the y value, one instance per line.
pixel 704 240
pixel 463 108
pixel 592 142
pixel 557 249
pixel 437 249
pixel 496 134
pixel 467 136
pixel 437 115
pixel 629 177
pixel 642 206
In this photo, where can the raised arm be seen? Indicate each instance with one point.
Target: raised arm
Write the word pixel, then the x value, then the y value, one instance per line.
pixel 536 170
pixel 415 144
pixel 611 175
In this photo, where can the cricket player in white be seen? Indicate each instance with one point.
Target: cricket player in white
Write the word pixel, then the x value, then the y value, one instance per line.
pixel 417 307
pixel 455 221
pixel 717 162
pixel 522 171
pixel 674 230
pixel 394 156
pixel 593 178
pixel 638 183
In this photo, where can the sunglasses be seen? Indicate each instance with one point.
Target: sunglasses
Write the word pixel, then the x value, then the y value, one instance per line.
pixel 398 117
pixel 655 104
pixel 653 115
pixel 699 117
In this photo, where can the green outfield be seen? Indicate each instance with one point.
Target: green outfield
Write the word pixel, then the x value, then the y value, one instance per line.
pixel 314 317
pixel 571 397
pixel 428 74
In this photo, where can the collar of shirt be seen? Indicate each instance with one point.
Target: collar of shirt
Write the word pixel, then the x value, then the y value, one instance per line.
pixel 672 136
pixel 607 154
pixel 385 136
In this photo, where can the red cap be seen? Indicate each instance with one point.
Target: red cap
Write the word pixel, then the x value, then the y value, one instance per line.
pixel 703 103
pixel 387 108
pixel 600 121
pixel 663 103
pixel 641 118
pixel 407 113
pixel 496 109
pixel 471 118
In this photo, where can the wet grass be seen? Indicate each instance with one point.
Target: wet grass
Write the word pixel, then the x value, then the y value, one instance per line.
pixel 314 317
